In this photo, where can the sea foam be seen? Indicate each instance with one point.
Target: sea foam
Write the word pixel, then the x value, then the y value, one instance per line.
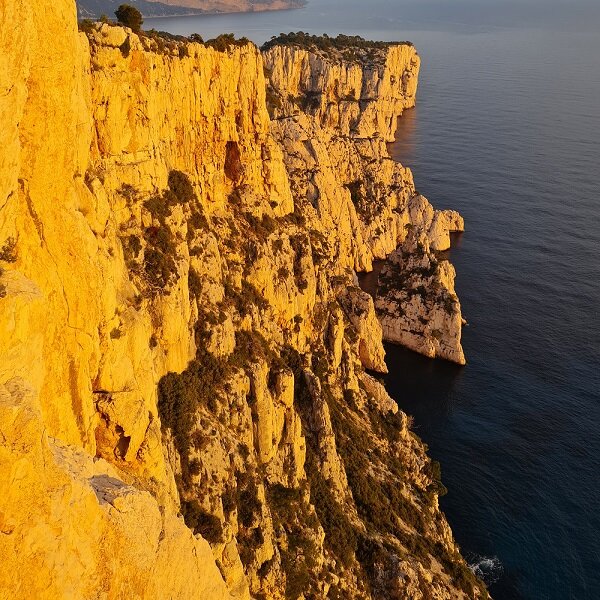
pixel 488 568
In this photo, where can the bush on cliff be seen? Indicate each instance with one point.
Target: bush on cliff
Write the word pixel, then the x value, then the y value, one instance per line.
pixel 130 17
pixel 180 184
pixel 3 290
pixel 225 41
pixel 8 251
pixel 199 521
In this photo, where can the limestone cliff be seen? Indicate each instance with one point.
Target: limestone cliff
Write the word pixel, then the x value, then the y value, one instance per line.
pixel 416 301
pixel 335 105
pixel 184 410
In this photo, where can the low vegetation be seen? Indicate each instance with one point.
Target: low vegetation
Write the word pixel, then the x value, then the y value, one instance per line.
pixel 130 17
pixel 348 47
pixel 202 522
pixel 8 250
pixel 3 289
pixel 161 42
pixel 153 256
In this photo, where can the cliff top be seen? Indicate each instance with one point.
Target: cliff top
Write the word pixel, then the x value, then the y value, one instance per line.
pixel 342 47
pixel 110 32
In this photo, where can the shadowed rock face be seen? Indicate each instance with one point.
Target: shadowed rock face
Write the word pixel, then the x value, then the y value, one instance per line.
pixel 183 404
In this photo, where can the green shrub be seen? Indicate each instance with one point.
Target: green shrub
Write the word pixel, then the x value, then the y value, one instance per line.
pixel 158 207
pixel 340 533
pixel 225 41
pixel 199 441
pixel 8 251
pixel 449 304
pixel 194 467
pixel 261 228
pixel 297 218
pixel 159 268
pixel 310 101
pixel 277 245
pixel 194 283
pixel 297 576
pixel 132 246
pixel 229 500
pixel 248 504
pixel 86 25
pixel 300 244
pixel 326 43
pixel 196 221
pixel 273 101
pixel 246 298
pixel 3 290
pixel 180 184
pixel 181 395
pixel 129 16
pixel 129 193
pixel 282 500
pixel 201 522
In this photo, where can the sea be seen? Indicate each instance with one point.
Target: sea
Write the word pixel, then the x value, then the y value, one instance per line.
pixel 507 131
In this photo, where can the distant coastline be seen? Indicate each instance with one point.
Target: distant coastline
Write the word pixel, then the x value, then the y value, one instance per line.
pixel 94 9
pixel 223 13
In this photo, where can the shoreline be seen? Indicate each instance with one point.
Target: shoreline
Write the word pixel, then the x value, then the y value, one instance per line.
pixel 222 14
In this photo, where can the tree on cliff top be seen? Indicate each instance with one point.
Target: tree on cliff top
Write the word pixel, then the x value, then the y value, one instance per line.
pixel 130 17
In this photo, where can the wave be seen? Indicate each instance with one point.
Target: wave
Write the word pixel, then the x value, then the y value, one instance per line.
pixel 488 568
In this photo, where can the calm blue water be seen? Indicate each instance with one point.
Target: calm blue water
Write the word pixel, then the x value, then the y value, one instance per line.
pixel 507 130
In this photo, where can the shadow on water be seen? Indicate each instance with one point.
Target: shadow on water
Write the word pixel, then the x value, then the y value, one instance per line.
pixel 406 136
pixel 423 387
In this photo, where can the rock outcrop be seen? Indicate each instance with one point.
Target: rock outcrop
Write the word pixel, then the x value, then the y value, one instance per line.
pixel 184 410
pixel 416 301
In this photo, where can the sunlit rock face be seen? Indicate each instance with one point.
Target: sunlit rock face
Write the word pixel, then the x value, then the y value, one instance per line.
pixel 417 304
pixel 334 111
pixel 184 406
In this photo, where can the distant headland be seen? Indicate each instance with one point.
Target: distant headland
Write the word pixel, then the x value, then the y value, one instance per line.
pixel 87 9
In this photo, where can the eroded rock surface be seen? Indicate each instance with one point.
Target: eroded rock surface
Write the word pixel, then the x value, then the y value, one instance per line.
pixel 416 301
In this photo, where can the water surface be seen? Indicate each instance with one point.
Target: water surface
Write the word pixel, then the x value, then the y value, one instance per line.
pixel 507 131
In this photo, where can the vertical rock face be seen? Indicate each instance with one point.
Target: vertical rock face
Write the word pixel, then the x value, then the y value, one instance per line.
pixel 416 301
pixel 335 107
pixel 183 405
pixel 358 92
